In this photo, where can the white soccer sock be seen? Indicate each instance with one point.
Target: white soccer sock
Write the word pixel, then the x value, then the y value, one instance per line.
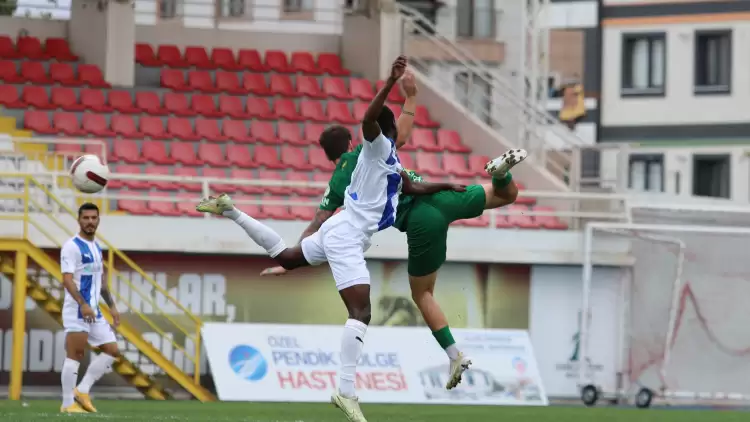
pixel 68 379
pixel 261 234
pixel 452 351
pixel 351 349
pixel 99 366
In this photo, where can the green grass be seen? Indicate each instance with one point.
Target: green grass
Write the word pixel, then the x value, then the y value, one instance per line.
pixel 150 411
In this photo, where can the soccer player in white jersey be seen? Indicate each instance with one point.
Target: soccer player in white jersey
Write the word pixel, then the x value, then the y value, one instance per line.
pixel 82 268
pixel 370 206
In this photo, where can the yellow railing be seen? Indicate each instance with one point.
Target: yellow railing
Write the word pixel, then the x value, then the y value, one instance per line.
pixel 32 206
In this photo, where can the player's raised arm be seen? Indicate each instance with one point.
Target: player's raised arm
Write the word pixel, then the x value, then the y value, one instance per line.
pixel 370 128
pixel 411 187
pixel 405 122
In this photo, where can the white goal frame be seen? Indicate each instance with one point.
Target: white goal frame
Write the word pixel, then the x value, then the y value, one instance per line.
pixel 585 378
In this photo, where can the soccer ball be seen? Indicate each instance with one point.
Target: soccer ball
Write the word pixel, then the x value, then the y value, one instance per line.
pixel 89 174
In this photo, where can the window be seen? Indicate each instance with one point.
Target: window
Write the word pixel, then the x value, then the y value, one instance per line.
pixel 475 93
pixel 232 8
pixel 168 9
pixel 646 173
pixel 711 175
pixel 713 62
pixel 643 64
pixel 298 5
pixel 476 18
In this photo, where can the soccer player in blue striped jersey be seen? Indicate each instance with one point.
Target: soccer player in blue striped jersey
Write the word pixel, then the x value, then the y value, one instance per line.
pixel 370 206
pixel 82 268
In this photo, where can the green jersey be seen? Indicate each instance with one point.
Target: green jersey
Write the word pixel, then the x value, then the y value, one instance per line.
pixel 342 177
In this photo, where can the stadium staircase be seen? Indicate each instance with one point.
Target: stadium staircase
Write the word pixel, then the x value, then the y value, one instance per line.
pixel 38 221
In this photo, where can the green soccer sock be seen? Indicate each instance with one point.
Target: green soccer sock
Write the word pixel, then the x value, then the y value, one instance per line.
pixel 446 341
pixel 500 183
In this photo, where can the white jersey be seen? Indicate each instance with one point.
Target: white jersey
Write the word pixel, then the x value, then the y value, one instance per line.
pixel 83 259
pixel 371 198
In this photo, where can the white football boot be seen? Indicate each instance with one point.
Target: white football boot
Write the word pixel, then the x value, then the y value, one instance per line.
pixel 458 367
pixel 350 407
pixel 502 164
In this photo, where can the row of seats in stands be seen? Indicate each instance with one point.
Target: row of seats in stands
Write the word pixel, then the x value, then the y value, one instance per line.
pixel 516 220
pixel 60 73
pixel 246 59
pixel 33 49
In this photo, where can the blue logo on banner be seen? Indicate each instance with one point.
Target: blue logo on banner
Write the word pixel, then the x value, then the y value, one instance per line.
pixel 248 363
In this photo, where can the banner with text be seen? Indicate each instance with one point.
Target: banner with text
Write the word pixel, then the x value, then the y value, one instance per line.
pixel 296 363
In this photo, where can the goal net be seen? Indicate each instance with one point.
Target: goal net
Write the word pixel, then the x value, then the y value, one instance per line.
pixel 685 325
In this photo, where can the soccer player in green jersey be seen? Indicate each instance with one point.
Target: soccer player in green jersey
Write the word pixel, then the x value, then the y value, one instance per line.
pixel 425 219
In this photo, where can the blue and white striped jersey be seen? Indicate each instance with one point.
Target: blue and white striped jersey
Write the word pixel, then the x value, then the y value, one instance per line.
pixel 83 259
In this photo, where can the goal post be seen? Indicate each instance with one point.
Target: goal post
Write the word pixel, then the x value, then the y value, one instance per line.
pixel 684 328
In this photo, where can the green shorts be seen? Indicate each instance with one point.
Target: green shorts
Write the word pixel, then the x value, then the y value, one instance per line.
pixel 427 225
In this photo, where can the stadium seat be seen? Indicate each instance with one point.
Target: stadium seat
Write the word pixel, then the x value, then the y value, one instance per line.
pixel 236 131
pixel 276 62
pixel 239 155
pixel 65 98
pixel 312 132
pixel 170 55
pixel 36 96
pixel 224 59
pixel 9 73
pixel 64 74
pixel 290 133
pixel 450 140
pixel 8 48
pixel 319 160
pixel 124 149
pixel 59 49
pixel 212 155
pixel 295 158
pixel 96 124
pixel 164 207
pixel 68 149
pixel 339 112
pixel 197 57
pixel 259 108
pixel 90 75
pixel 67 123
pixel 181 129
pixel 200 80
pixel 188 186
pixel 177 104
pixel 229 82
pixel 251 209
pixel 285 109
pixel 312 110
pixel 522 220
pixel 301 177
pixel 481 221
pixel 122 102
pixel 186 205
pixel 455 164
pixel 250 60
pixel 132 184
pixel 232 106
pixel 34 72
pixel 152 127
pixel 282 85
pixel 336 88
pixel 174 79
pixel 361 89
pixel 120 169
pixel 268 157
pixel 31 48
pixel 240 174
pixel 38 121
pixel 263 132
pixel 549 221
pixel 424 139
pixel 94 100
pixel 204 105
pixel 359 111
pixel 149 102
pixel 209 130
pixel 275 176
pixel 308 86
pixel 161 184
pixel 303 61
pixel 331 64
pixel 256 84
pixel 522 199
pixel 395 95
pixel 304 213
pixel 430 164
pixel 501 221
pixel 422 118
pixel 275 211
pixel 133 206
pixel 407 161
pixel 9 97
pixel 144 55
pixel 477 163
pixel 124 126
pixel 221 174
pixel 156 151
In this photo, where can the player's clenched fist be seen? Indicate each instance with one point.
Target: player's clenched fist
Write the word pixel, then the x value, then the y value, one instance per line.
pixel 398 68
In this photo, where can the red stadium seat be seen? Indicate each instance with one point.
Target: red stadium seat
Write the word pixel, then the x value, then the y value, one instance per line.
pixel 124 126
pixel 133 206
pixel 523 200
pixel 295 158
pixel 63 74
pixel 275 211
pixel 145 56
pixel 236 131
pixel 407 161
pixel 264 132
pixel 8 49
pixel 200 80
pixel 319 160
pixel 174 79
pixel 290 133
pixel 123 169
pixel 477 163
pixel 9 97
pixel 308 86
pixel 336 88
pixel 181 129
pixel 65 98
pixel 239 155
pixel 339 112
pixel 204 105
pixel 96 125
pixel 209 130
pixel 123 102
pixel 331 64
pixel 156 152
pixel 250 60
pixel 240 174
pixel 522 220
pixel 549 221
pixel 224 59
pixel 259 108
pixel 67 123
pixel 186 205
pixel 395 95
pixel 90 75
pixel 422 118
pixel 149 102
pixel 251 209
pixel 424 139
pixel 38 121
pixel 304 213
pixel 31 48
pixel 501 221
pixel 481 221
pixel 302 61
pixel 276 62
pixel 301 177
pixel 361 89
pixel 312 110
pixel 428 163
pixel 312 132
pixel 125 150
pixel 229 82
pixel 34 72
pixel 152 127
pixel 450 140
pixel 59 49
pixel 359 111
pixel 455 164
pixel 217 187
pixel 9 73
pixel 282 85
pixel 197 57
pixel 212 155
pixel 275 176
pixel 285 109
pixel 170 55
pixel 177 104
pixel 161 184
pixel 256 84
pixel 36 96
pixel 94 100
pixel 232 106
pixel 163 204
pixel 188 186
pixel 268 157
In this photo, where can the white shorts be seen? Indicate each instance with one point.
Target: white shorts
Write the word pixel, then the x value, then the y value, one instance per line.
pixel 343 245
pixel 100 332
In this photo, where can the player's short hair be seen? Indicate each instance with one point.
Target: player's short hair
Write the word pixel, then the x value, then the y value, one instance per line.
pixel 335 141
pixel 87 206
pixel 387 123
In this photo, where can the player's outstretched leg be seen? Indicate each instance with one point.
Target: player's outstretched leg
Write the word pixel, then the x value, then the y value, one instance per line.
pixel 99 366
pixel 75 345
pixel 503 190
pixel 264 236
